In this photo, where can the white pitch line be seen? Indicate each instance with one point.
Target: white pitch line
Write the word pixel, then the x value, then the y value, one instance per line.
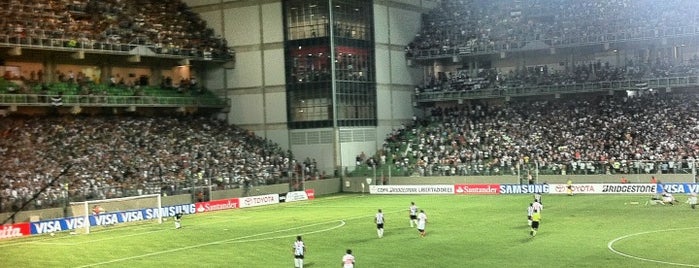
pixel 342 223
pixel 233 240
pixel 104 239
pixel 610 246
pixel 45 242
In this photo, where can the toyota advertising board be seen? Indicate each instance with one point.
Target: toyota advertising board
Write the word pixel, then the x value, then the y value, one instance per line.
pixel 259 200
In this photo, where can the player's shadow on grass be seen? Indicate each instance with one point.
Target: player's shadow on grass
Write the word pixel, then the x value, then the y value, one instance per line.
pixel 308 264
pixel 528 238
pixel 367 239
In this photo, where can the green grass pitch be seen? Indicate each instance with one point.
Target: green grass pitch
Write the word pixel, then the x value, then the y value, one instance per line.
pixel 462 231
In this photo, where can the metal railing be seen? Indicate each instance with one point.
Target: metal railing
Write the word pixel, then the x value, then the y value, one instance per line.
pixel 657 83
pixel 118 48
pixel 567 42
pixel 524 169
pixel 112 101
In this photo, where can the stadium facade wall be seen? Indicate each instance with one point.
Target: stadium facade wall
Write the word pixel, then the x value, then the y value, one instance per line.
pixel 256 85
pixel 323 187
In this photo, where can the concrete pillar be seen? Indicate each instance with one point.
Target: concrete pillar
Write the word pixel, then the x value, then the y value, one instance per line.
pixel 156 76
pixel 49 71
pixel 106 72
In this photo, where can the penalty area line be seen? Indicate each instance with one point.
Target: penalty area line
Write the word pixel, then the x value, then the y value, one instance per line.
pixel 342 223
pixel 610 246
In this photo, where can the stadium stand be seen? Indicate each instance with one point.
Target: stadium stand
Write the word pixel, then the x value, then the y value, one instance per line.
pixel 472 27
pixel 577 135
pixel 123 156
pixel 485 26
pixel 599 133
pixel 119 25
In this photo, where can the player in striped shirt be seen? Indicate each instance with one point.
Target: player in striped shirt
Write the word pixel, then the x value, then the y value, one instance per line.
pixel 413 214
pixel 299 250
pixel 538 206
pixel 379 220
pixel 348 259
pixel 530 211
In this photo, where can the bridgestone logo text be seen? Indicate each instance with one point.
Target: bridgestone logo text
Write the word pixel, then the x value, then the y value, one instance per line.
pixel 629 189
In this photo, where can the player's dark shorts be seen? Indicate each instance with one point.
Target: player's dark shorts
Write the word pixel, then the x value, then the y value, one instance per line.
pixel 535 224
pixel 529 217
pixel 298 256
pixel 379 226
pixel 413 217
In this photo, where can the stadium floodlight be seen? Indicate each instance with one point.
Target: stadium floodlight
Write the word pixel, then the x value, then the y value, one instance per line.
pixel 106 206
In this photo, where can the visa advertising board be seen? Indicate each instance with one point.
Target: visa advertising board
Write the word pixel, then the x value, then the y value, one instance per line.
pixel 65 224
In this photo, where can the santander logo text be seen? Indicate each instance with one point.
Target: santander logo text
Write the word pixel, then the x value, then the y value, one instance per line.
pixel 230 203
pixel 477 189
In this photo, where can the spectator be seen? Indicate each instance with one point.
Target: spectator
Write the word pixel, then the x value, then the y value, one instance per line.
pixel 115 157
pixel 592 135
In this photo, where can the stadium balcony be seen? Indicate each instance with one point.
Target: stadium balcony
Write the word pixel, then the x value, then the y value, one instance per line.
pixel 526 44
pixel 16 43
pixel 68 94
pixel 664 83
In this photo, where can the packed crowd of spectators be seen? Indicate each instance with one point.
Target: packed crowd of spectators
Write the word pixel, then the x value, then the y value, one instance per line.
pixel 108 157
pixel 648 134
pixel 168 27
pixel 486 26
pixel 491 79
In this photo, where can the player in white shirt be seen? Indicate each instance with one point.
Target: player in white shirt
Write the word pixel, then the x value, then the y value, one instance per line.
pixel 413 214
pixel 668 199
pixel 421 222
pixel 379 220
pixel 538 206
pixel 299 251
pixel 348 260
pixel 692 200
pixel 530 211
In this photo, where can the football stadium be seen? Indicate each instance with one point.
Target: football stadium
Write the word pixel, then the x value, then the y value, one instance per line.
pixel 369 133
